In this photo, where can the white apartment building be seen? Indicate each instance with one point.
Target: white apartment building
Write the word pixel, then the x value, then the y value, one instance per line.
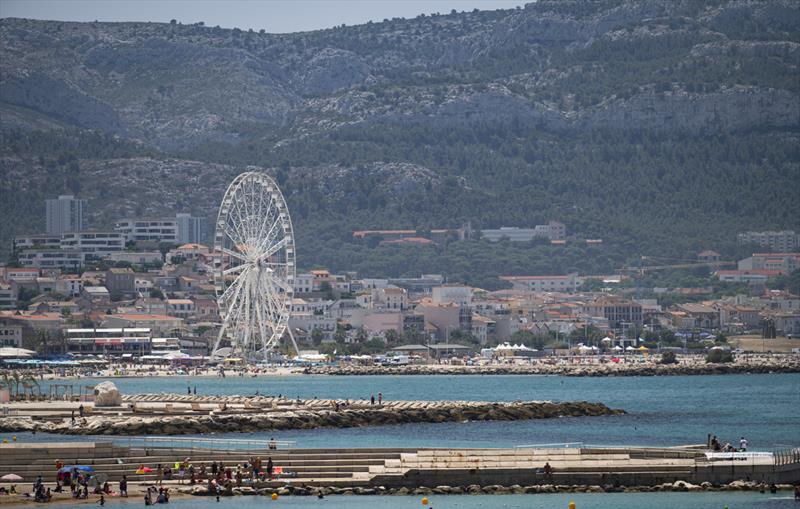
pixel 136 258
pixel 553 230
pixel 452 294
pixel 190 229
pixel 181 229
pixel 568 283
pixel 52 258
pixel 65 214
pixel 390 298
pixel 784 262
pixel 782 241
pixel 95 244
pixel 37 241
pixel 155 230
pixel 182 308
pixel 11 336
pixel 8 297
pixel 69 286
pixel 21 275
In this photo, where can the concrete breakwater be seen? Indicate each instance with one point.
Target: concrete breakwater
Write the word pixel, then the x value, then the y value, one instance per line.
pixel 782 364
pixel 491 489
pixel 176 415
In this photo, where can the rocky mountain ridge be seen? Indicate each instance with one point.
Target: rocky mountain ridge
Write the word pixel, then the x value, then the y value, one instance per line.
pixel 161 83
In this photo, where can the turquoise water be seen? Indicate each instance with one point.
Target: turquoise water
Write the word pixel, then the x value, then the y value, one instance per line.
pixel 666 411
pixel 719 500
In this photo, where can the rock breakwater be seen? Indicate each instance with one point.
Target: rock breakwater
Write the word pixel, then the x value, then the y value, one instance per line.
pixel 226 421
pixel 778 364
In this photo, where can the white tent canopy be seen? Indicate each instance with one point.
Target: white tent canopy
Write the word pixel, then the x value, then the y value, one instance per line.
pixel 629 348
pixel 9 352
pixel 618 348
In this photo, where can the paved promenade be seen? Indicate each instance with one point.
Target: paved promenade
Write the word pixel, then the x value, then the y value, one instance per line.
pixel 397 470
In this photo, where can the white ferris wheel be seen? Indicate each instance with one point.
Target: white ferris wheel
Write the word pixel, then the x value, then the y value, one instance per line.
pixel 254 266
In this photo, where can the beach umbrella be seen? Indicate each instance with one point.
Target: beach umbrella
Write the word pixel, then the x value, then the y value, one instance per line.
pixel 629 348
pixel 617 348
pixel 71 468
pixel 643 348
pixel 11 477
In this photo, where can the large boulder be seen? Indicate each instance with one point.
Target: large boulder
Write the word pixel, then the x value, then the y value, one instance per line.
pixel 107 394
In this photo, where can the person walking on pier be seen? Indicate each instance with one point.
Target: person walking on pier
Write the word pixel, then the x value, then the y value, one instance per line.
pixel 548 471
pixel 123 486
pixel 81 410
pixel 743 444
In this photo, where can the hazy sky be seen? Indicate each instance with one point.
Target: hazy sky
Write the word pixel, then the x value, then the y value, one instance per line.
pixel 274 16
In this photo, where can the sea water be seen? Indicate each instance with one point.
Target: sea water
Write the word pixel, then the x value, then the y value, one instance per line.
pixel 662 411
pixel 717 500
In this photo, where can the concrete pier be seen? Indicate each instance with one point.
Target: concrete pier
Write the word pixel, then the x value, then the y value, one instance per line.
pixel 396 469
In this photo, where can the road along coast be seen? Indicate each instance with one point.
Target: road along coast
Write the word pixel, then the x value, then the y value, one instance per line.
pixel 178 414
pixel 756 365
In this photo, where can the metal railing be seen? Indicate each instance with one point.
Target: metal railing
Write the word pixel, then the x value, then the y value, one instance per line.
pixel 556 445
pixel 197 443
pixel 786 456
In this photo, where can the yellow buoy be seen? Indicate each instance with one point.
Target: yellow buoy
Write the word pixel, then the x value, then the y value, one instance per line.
pixel 14 439
pixel 5 440
pixel 424 500
pixel 274 496
pixel 571 505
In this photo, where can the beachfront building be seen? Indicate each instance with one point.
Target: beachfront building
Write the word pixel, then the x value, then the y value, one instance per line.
pixel 65 214
pixel 109 341
pixel 159 324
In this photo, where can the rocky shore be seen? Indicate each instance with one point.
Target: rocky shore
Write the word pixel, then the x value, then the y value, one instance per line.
pixel 112 423
pixel 476 489
pixel 761 365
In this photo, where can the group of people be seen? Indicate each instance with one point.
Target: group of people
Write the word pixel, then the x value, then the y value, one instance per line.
pixel 715 445
pixel 155 495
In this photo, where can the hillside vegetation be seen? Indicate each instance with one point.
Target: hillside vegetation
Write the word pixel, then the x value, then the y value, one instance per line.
pixel 661 127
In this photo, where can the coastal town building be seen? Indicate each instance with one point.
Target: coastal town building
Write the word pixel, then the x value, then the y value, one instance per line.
pixel 568 283
pixel 784 263
pixel 10 336
pixel 65 214
pixel 553 230
pixel 8 296
pixel 779 241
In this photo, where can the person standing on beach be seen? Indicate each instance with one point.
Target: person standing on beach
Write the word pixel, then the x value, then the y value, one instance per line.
pixel 380 398
pixel 123 486
pixel 372 399
pixel 80 410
